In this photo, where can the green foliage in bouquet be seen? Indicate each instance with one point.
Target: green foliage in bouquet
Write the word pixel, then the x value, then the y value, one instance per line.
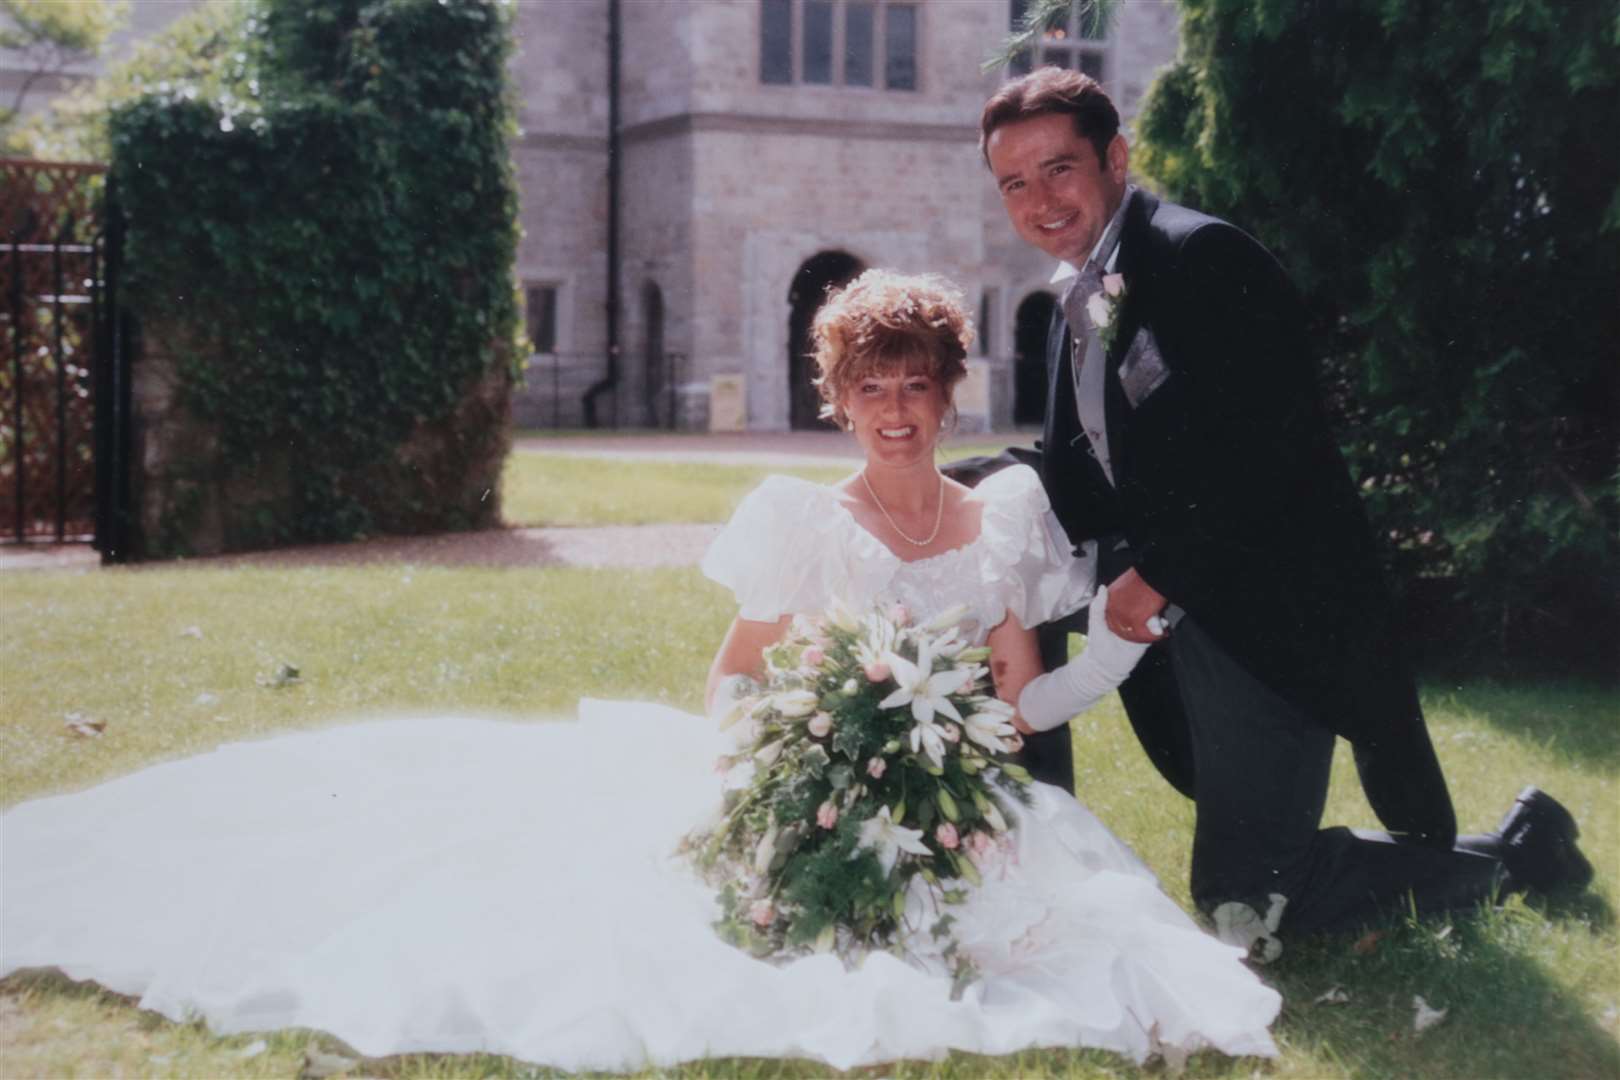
pixel 871 773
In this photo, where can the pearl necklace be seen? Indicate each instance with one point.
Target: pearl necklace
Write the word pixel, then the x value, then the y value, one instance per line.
pixel 939 513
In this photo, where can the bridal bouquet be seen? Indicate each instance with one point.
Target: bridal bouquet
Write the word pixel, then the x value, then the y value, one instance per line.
pixel 870 777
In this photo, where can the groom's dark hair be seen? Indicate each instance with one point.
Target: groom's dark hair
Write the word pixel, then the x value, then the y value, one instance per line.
pixel 1053 90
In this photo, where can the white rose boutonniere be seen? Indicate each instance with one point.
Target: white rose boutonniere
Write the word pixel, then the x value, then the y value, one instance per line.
pixel 1102 308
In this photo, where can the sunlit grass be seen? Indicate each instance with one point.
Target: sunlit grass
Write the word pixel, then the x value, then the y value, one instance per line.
pixel 540 488
pixel 177 660
pixel 172 660
pixel 550 489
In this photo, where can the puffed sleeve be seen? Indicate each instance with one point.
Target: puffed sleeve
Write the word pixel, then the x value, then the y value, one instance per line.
pixel 1028 559
pixel 779 554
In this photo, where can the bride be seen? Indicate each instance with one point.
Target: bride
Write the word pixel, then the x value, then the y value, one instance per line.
pixel 469 885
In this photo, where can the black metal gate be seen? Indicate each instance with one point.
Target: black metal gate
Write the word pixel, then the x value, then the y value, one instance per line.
pixel 64 381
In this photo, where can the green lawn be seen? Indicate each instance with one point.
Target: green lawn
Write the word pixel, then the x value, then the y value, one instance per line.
pixel 540 488
pixel 176 659
pixel 553 489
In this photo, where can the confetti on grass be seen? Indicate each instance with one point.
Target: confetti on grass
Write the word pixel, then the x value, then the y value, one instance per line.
pixel 83 727
pixel 1426 1017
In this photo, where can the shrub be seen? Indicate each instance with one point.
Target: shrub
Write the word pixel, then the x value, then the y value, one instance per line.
pixel 1440 180
pixel 321 242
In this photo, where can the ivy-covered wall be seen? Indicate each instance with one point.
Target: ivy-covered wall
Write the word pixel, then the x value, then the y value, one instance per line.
pixel 319 261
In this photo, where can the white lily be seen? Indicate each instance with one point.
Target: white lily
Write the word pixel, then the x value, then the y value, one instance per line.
pixel 882 835
pixel 795 702
pixel 921 687
pixel 946 619
pixel 993 816
pixel 990 725
pixel 950 646
pixel 929 738
pixel 839 615
pixel 877 638
pixel 766 851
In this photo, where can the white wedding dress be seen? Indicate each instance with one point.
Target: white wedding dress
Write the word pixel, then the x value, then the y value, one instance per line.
pixel 462 884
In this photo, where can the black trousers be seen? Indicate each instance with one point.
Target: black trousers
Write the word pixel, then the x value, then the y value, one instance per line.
pixel 1049 755
pixel 1260 781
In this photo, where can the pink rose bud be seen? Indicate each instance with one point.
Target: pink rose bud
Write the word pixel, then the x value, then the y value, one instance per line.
pixel 951 732
pixel 877 671
pixel 820 724
pixel 876 768
pixel 813 656
pixel 900 614
pixel 761 912
pixel 946 835
pixel 827 815
pixel 1113 284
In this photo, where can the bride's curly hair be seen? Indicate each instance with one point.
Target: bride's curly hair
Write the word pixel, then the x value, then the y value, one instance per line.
pixel 884 322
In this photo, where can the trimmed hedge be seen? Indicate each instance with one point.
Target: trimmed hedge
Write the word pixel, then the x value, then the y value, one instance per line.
pixel 328 262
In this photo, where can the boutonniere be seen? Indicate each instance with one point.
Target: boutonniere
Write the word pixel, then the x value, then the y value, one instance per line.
pixel 1103 308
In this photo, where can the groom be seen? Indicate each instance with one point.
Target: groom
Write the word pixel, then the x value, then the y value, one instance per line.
pixel 1184 434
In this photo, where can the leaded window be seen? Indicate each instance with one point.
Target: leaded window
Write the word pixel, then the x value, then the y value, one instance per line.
pixel 855 43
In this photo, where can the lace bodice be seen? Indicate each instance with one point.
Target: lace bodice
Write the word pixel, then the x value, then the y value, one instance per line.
pixel 792 547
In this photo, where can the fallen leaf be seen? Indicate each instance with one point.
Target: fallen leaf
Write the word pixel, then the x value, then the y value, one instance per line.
pixel 1426 1017
pixel 1174 1057
pixel 192 632
pixel 284 675
pixel 1367 944
pixel 82 726
pixel 1335 996
pixel 207 698
pixel 253 1049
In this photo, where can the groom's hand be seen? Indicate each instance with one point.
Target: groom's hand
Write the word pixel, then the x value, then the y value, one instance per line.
pixel 1131 603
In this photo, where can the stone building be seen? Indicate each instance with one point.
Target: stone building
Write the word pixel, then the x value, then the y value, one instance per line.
pixel 767 149
pixel 733 160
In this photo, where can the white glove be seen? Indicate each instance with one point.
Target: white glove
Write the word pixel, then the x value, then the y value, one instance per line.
pixel 1058 696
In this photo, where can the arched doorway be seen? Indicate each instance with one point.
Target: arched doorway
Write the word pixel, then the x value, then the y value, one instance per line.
pixel 821 272
pixel 660 387
pixel 1033 321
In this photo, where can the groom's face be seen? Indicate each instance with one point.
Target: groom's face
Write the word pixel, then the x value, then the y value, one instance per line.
pixel 1058 195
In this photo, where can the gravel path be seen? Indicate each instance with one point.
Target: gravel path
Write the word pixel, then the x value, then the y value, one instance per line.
pixel 612 545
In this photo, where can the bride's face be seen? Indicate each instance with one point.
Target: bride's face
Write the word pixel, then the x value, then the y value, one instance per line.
pixel 896 416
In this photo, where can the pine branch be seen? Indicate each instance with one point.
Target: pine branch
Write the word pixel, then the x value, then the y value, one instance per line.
pixel 1042 15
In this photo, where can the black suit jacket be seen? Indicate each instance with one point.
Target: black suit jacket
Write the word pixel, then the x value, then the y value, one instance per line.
pixel 1237 504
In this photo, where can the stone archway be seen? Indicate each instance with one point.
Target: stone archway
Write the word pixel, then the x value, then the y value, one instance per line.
pixel 1030 327
pixel 815 276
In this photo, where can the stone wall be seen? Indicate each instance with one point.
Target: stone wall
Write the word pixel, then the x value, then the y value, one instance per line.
pixel 190 499
pixel 730 185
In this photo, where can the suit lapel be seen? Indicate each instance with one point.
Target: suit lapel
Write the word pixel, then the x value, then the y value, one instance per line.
pixel 1057 352
pixel 1131 264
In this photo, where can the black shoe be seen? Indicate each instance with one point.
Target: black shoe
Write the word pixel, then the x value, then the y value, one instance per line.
pixel 1538 845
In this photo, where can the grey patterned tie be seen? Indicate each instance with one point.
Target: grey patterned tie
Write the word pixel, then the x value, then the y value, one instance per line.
pixel 1087 358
